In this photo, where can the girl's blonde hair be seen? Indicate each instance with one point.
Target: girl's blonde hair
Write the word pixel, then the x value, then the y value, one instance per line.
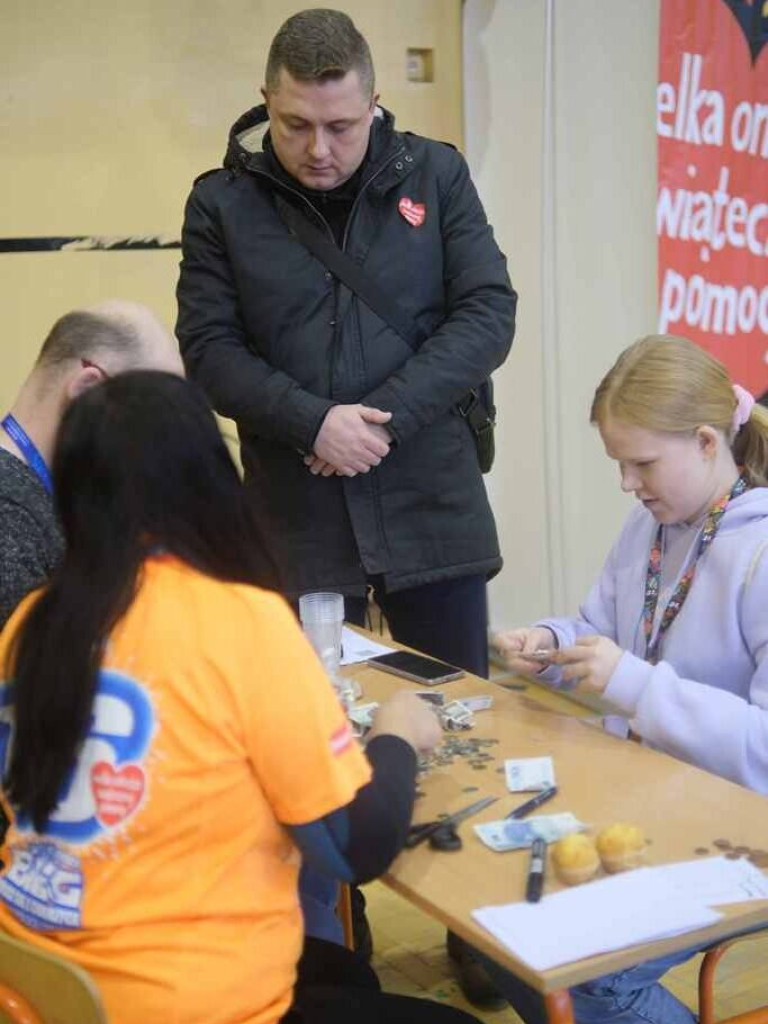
pixel 672 386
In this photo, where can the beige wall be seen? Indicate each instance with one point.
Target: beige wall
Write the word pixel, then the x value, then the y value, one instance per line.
pixel 560 102
pixel 110 110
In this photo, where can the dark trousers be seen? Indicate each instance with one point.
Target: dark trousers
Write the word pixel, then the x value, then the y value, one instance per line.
pixel 447 620
pixel 334 986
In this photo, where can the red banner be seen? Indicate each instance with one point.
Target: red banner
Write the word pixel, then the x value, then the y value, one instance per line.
pixel 712 206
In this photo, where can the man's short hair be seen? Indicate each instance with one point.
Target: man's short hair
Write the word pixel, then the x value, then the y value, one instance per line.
pixel 82 335
pixel 319 44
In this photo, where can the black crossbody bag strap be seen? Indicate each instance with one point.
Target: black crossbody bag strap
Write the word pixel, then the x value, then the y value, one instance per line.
pixel 352 275
pixel 477 406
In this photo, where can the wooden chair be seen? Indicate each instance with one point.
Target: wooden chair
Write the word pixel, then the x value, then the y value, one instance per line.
pixel 707 985
pixel 37 987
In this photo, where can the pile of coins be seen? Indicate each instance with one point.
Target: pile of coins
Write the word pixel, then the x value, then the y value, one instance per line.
pixel 473 749
pixel 758 857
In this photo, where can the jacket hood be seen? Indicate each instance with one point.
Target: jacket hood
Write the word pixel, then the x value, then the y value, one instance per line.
pixel 246 136
pixel 250 132
pixel 752 506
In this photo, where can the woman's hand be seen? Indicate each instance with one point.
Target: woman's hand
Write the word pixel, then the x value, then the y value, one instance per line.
pixel 590 662
pixel 411 718
pixel 516 643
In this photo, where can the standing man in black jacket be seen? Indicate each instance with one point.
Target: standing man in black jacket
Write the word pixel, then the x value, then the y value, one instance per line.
pixel 351 442
pixel 354 452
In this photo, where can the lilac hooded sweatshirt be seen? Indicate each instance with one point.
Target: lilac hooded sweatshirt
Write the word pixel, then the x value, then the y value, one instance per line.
pixel 706 701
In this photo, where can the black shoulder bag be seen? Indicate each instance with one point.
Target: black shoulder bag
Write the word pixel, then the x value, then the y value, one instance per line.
pixel 477 406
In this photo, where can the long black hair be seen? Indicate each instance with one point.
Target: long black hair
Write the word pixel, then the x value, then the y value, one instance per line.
pixel 139 465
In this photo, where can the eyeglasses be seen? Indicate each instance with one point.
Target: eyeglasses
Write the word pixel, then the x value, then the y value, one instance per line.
pixel 87 364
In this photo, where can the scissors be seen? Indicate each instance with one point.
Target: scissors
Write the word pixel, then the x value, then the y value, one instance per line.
pixel 442 834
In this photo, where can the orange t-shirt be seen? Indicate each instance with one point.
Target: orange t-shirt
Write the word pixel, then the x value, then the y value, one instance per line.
pixel 165 870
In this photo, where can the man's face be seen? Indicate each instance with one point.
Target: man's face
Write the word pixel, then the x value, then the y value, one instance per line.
pixel 320 130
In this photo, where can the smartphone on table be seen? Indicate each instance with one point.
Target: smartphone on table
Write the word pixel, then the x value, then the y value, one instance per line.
pixel 417 667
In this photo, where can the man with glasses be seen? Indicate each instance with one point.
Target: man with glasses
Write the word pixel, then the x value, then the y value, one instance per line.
pixel 82 348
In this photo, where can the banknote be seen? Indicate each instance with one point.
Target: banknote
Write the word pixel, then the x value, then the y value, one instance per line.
pixel 455 716
pixel 363 714
pixel 529 773
pixel 508 834
pixel 478 703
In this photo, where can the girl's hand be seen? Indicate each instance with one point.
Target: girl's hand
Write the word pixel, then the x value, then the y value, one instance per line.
pixel 590 662
pixel 516 643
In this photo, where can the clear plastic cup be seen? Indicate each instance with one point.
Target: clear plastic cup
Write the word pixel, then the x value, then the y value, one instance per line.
pixel 322 618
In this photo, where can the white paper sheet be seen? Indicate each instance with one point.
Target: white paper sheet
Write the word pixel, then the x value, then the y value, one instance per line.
pixel 546 934
pixel 623 910
pixel 356 648
pixel 715 881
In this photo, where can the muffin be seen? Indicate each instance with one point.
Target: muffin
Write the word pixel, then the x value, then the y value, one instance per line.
pixel 575 858
pixel 621 847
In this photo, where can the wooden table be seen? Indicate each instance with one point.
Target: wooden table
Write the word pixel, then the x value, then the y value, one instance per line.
pixel 601 780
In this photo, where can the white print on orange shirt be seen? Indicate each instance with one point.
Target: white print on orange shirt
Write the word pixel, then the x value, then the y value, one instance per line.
pixel 341 739
pixel 108 783
pixel 43 887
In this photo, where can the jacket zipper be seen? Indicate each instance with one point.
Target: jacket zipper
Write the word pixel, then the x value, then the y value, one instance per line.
pixel 316 213
pixel 363 188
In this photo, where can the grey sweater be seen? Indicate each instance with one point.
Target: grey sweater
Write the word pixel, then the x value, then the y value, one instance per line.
pixel 31 543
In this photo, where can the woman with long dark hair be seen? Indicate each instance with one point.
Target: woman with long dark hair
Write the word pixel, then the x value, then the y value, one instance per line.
pixel 170 743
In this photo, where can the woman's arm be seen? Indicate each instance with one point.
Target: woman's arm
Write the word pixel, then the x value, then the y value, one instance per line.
pixel 358 842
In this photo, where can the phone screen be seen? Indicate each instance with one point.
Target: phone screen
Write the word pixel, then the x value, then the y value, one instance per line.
pixel 417 667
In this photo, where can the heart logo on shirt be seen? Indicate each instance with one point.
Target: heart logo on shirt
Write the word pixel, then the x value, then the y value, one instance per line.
pixel 414 213
pixel 116 791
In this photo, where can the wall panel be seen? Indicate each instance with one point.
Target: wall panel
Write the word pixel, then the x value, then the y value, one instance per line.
pixel 108 111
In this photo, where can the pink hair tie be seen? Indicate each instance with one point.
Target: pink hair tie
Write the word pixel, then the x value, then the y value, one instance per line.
pixel 743 410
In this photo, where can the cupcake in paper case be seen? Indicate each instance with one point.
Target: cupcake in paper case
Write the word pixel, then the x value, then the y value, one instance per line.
pixel 621 847
pixel 575 858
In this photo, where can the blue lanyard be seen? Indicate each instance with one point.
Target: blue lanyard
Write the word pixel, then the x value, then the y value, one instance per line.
pixel 28 449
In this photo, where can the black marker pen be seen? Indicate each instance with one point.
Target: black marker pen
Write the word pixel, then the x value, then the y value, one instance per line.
pixel 533 803
pixel 535 884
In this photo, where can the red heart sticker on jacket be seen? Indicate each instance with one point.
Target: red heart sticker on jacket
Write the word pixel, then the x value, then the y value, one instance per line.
pixel 117 791
pixel 414 213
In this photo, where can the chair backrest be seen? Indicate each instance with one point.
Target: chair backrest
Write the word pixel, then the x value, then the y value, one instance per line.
pixel 712 957
pixel 37 987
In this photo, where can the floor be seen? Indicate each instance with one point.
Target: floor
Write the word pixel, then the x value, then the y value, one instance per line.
pixel 410 958
pixel 410 955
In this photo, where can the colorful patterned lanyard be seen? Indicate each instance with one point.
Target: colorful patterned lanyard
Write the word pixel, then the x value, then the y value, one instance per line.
pixel 653 576
pixel 28 449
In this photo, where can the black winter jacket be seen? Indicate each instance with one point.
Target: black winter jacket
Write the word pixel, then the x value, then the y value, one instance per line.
pixel 275 341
